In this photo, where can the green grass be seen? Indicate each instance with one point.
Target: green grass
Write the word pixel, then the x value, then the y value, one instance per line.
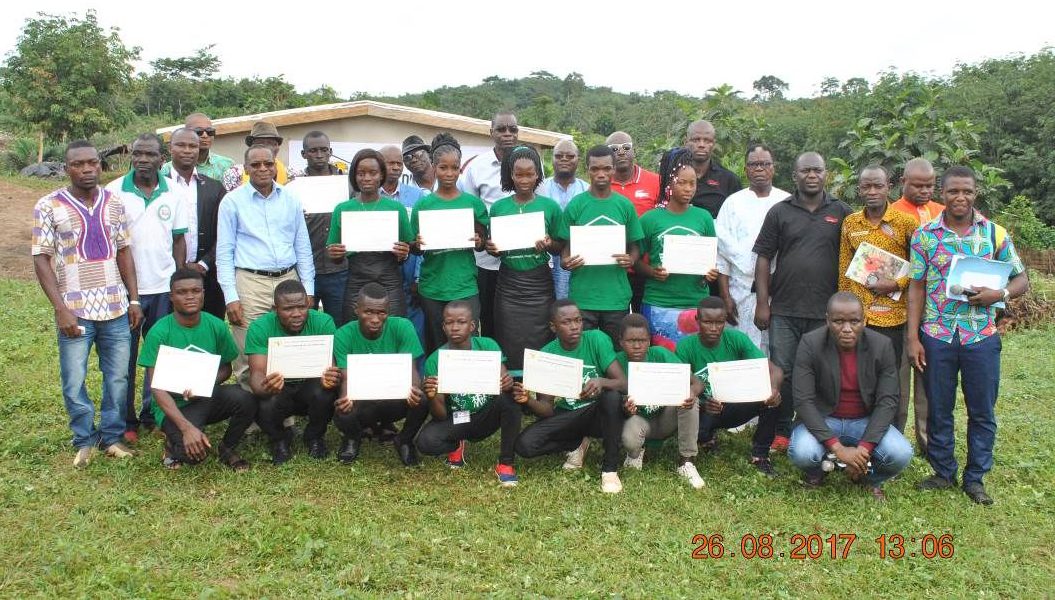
pixel 319 529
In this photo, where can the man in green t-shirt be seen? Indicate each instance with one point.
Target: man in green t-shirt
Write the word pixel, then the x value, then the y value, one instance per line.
pixel 657 422
pixel 474 417
pixel 183 416
pixel 602 292
pixel 566 424
pixel 281 398
pixel 715 343
pixel 374 332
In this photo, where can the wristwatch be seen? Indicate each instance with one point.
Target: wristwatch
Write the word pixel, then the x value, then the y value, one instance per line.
pixel 1007 294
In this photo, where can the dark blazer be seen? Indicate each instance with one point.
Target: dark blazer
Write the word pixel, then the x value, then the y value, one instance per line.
pixel 815 382
pixel 210 192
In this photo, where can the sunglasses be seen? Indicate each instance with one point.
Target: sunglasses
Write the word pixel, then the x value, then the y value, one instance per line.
pixel 625 147
pixel 507 129
pixel 209 131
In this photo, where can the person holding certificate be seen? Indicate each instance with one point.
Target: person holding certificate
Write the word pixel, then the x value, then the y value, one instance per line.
pixel 447 273
pixel 671 297
pixel 566 424
pixel 457 417
pixel 183 416
pixel 601 291
pixel 375 332
pixel 367 172
pixel 656 422
pixel 279 397
pixel 525 282
pixel 330 275
pixel 846 397
pixel 716 343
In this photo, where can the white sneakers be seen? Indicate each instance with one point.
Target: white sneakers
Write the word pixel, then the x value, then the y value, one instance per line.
pixel 576 456
pixel 635 462
pixel 83 457
pixel 610 483
pixel 119 450
pixel 688 471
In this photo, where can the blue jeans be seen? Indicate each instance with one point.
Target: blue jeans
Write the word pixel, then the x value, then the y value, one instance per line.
pixel 561 279
pixel 329 288
pixel 784 336
pixel 112 340
pixel 978 366
pixel 889 458
pixel 154 307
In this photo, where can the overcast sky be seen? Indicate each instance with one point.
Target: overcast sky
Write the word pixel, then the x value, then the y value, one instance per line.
pixel 388 47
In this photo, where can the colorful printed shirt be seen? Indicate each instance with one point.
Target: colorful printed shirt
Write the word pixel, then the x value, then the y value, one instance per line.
pixel 893 235
pixel 933 247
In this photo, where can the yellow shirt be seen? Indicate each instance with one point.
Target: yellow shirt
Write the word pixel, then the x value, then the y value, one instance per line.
pixel 893 234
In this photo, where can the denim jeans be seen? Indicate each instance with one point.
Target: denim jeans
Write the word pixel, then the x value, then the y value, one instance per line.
pixel 561 279
pixel 889 458
pixel 978 366
pixel 784 336
pixel 329 289
pixel 112 340
pixel 154 307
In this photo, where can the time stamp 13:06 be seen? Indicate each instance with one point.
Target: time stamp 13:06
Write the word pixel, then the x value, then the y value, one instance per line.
pixel 814 546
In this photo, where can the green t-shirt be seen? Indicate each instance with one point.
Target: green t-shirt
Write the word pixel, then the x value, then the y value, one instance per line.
pixel 525 259
pixel 679 290
pixel 397 337
pixel 733 345
pixel 210 336
pixel 655 354
pixel 596 353
pixel 383 204
pixel 470 402
pixel 448 274
pixel 600 287
pixel 267 327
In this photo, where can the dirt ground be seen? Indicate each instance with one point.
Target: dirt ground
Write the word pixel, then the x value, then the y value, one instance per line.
pixel 16 221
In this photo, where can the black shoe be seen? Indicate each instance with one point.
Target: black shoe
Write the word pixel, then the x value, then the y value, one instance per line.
pixel 764 466
pixel 349 450
pixel 317 448
pixel 280 452
pixel 936 482
pixel 386 433
pixel 814 479
pixel 976 492
pixel 407 454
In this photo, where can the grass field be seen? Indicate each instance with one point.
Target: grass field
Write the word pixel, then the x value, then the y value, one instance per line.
pixel 320 529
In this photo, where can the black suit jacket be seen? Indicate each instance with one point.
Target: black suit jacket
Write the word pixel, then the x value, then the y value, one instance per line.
pixel 210 192
pixel 815 382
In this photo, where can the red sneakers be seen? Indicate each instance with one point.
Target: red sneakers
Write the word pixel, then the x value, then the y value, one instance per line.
pixel 780 443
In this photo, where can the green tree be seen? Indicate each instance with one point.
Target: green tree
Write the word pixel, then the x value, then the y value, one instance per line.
pixel 769 87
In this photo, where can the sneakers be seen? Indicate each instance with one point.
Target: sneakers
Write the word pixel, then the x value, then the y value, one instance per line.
pixel 635 462
pixel 507 477
pixel 976 492
pixel 119 450
pixel 814 479
pixel 688 471
pixel 764 466
pixel 83 457
pixel 780 443
pixel 610 483
pixel 710 446
pixel 456 459
pixel 576 456
pixel 936 482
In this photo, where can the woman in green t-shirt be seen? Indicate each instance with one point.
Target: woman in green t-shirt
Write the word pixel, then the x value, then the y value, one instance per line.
pixel 670 299
pixel 525 282
pixel 366 173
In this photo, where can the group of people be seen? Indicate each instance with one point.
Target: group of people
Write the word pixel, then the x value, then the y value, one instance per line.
pixel 172 250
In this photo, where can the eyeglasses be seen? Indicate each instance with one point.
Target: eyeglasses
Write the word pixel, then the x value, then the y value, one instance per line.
pixel 563 156
pixel 761 164
pixel 507 129
pixel 262 164
pixel 624 147
pixel 209 131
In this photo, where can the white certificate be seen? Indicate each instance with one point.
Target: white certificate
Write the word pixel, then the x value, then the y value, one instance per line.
pixel 379 376
pixel 740 380
pixel 597 243
pixel 299 356
pixel 689 254
pixel 178 370
pixel 513 232
pixel 320 194
pixel 658 384
pixel 369 231
pixel 552 374
pixel 443 229
pixel 470 372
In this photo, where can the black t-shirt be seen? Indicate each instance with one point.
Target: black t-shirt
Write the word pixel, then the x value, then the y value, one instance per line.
pixel 318 231
pixel 714 187
pixel 806 247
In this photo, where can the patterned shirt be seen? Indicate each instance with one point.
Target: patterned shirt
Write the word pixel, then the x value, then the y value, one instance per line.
pixel 893 235
pixel 933 247
pixel 83 244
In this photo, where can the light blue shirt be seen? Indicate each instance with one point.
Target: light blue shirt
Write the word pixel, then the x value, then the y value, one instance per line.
pixel 267 234
pixel 551 189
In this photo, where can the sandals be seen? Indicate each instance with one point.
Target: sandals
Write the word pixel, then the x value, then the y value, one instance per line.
pixel 232 459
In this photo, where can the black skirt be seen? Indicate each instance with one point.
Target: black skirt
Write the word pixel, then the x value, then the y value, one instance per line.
pixel 376 267
pixel 522 302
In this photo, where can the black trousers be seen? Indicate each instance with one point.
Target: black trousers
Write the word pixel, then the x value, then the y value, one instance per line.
pixel 487 282
pixel 433 309
pixel 565 430
pixel 896 335
pixel 366 413
pixel 214 301
pixel 441 437
pixel 606 320
pixel 735 414
pixel 637 291
pixel 305 397
pixel 228 403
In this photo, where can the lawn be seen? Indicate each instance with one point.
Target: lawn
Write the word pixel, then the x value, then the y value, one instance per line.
pixel 321 529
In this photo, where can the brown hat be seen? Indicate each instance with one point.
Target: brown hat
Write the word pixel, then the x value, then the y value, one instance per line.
pixel 262 129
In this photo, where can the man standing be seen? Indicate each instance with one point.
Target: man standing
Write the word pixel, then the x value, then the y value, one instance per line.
pixel 562 187
pixel 481 177
pixel 208 163
pixel 882 293
pixel 407 195
pixel 737 229
pixel 83 263
pixel 802 234
pixel 265 134
pixel 330 276
pixel 949 339
pixel 637 184
pixel 416 156
pixel 157 220
pixel 714 183
pixel 261 241
pixel 203 195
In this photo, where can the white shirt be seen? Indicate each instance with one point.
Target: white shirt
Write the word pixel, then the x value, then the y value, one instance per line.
pixel 483 177
pixel 737 227
pixel 189 189
pixel 152 227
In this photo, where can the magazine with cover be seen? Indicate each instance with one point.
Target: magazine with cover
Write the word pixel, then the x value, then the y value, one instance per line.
pixel 871 263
